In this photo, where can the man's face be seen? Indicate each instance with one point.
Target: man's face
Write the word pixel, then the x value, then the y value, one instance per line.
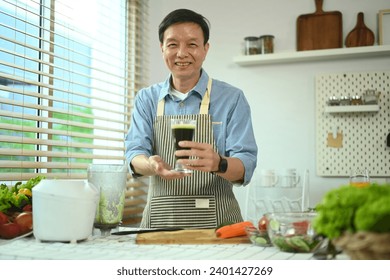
pixel 184 50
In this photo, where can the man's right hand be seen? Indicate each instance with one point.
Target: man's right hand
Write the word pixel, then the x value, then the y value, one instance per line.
pixel 164 170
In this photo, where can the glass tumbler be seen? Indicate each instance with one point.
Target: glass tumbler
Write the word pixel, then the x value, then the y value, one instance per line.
pixel 182 129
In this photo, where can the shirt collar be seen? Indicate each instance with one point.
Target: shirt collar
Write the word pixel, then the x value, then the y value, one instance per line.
pixel 200 87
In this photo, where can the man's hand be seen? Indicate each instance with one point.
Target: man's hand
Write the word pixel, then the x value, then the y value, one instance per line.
pixel 164 170
pixel 204 156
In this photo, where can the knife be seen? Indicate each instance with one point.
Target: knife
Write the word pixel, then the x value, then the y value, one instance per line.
pixel 126 232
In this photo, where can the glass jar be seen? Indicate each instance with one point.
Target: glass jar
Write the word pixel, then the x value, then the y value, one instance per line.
pixel 252 45
pixel 356 100
pixel 333 101
pixel 345 100
pixel 267 43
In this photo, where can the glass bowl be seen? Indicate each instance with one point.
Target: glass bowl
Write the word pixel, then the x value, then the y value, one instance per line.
pixel 258 238
pixel 293 232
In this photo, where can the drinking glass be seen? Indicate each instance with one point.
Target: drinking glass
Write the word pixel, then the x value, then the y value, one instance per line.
pixel 182 130
pixel 359 178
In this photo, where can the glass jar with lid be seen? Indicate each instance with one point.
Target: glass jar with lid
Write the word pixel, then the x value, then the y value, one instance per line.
pixel 267 43
pixel 252 45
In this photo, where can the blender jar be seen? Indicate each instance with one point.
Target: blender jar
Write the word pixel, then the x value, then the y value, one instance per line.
pixel 110 179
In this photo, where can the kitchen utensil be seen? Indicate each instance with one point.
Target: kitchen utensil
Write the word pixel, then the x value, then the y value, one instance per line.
pixel 319 30
pixel 64 210
pixel 360 35
pixel 188 236
pixel 110 179
pixel 138 231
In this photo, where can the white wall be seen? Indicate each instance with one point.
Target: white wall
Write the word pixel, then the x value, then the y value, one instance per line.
pixel 282 96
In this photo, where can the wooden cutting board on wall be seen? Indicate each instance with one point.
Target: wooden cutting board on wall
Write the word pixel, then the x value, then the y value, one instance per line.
pixel 360 35
pixel 319 30
pixel 191 236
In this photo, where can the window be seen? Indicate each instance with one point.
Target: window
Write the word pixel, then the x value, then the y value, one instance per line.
pixel 69 70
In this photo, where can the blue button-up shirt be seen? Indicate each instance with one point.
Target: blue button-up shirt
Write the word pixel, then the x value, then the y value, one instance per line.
pixel 230 111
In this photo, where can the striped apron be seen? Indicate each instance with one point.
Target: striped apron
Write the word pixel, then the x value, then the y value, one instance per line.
pixel 202 200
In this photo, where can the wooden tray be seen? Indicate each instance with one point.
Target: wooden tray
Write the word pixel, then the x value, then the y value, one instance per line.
pixel 319 30
pixel 191 236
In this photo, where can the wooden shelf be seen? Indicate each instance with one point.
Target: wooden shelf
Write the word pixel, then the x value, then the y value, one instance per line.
pixel 315 55
pixel 351 108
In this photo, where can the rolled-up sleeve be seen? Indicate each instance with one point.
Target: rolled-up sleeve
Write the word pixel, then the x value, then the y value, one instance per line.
pixel 232 126
pixel 240 140
pixel 138 140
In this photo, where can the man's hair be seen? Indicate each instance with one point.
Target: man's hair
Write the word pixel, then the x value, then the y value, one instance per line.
pixel 181 16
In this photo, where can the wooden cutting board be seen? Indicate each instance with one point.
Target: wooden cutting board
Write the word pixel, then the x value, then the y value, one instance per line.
pixel 319 30
pixel 361 35
pixel 190 236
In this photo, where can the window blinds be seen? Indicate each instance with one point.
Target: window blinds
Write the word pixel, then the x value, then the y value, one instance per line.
pixel 69 70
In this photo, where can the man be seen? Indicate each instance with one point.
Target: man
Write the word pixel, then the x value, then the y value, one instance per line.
pixel 224 150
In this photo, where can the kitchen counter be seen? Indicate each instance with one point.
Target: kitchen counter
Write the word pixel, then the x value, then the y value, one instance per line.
pixel 116 247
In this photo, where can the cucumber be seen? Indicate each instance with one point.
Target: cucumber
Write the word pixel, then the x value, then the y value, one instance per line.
pixel 274 224
pixel 299 244
pixel 280 242
pixel 261 240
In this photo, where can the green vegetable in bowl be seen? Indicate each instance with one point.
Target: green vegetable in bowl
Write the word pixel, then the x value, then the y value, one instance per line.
pixel 352 209
pixel 296 243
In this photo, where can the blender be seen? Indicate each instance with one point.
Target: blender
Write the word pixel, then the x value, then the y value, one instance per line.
pixel 110 179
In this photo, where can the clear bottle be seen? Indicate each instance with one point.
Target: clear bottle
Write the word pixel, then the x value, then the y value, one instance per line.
pixel 252 45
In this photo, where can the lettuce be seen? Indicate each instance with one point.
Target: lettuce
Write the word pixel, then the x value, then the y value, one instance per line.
pixel 11 199
pixel 352 209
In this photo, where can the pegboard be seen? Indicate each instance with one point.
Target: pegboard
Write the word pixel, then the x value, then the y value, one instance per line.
pixel 363 134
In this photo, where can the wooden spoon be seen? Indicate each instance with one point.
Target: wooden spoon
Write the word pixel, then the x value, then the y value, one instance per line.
pixel 360 35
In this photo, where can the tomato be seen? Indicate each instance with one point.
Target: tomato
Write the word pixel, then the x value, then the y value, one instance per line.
pixel 9 230
pixel 3 218
pixel 27 208
pixel 301 227
pixel 24 221
pixel 263 224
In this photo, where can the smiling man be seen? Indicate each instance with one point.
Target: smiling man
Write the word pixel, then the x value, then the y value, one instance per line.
pixel 223 150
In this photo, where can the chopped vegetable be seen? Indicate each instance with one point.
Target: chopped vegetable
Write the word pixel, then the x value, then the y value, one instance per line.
pixel 233 230
pixel 296 243
pixel 351 209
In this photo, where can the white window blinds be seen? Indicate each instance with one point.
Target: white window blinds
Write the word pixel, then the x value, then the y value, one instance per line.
pixel 69 70
pixel 68 73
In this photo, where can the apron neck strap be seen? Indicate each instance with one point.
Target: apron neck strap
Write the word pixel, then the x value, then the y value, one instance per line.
pixel 204 106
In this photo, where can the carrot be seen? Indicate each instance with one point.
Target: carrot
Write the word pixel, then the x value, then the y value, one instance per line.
pixel 233 230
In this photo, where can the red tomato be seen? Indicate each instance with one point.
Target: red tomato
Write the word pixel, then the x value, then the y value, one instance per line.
pixel 27 208
pixel 24 221
pixel 263 224
pixel 3 218
pixel 301 227
pixel 10 230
